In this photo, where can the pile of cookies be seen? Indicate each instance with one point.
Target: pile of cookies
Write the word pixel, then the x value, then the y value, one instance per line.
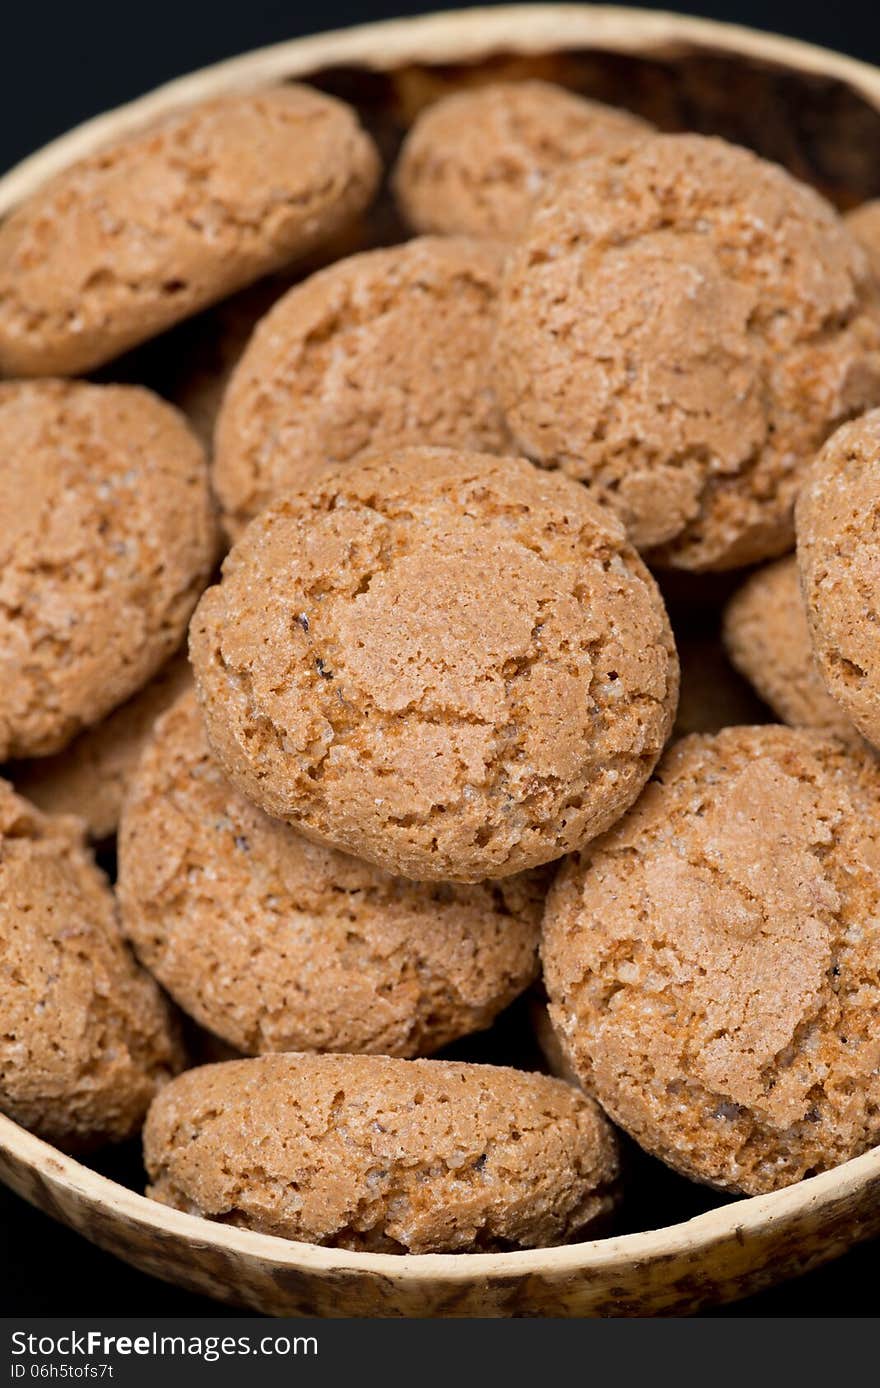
pixel 417 747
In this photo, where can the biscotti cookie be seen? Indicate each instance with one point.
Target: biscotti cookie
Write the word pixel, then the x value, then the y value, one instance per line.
pixel 86 1037
pixel 838 513
pixel 713 963
pixel 768 640
pixel 277 944
pixel 382 1155
pixel 449 664
pixel 864 223
pixel 475 162
pixel 162 223
pixel 381 350
pixel 681 327
pixel 107 537
pixel 90 777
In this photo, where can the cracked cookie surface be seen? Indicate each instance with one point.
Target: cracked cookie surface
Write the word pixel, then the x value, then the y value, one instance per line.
pixel 768 640
pixel 107 537
pixel 170 219
pixel 713 963
pixel 383 1155
pixel 91 776
pixel 86 1037
pixel 381 350
pixel 449 664
pixel 475 162
pixel 278 944
pixel 838 518
pixel 680 327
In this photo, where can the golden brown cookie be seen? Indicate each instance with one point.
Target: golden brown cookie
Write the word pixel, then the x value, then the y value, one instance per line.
pixel 864 223
pixel 156 226
pixel 449 664
pixel 713 963
pixel 378 351
pixel 838 514
pixel 86 1037
pixel 90 777
pixel 768 640
pixel 383 1155
pixel 680 327
pixel 475 162
pixel 277 944
pixel 107 537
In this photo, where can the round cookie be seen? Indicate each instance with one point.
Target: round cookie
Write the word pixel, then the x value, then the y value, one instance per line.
pixel 91 776
pixel 107 537
pixel 475 162
pixel 381 350
pixel 172 218
pixel 713 963
pixel 838 512
pixel 388 659
pixel 383 1155
pixel 86 1037
pixel 681 326
pixel 864 223
pixel 768 640
pixel 277 944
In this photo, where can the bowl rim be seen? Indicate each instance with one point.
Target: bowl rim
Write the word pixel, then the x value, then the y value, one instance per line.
pixel 451 36
pixel 735 1222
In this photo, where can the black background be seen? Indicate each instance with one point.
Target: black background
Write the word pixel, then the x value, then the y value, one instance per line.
pixel 63 62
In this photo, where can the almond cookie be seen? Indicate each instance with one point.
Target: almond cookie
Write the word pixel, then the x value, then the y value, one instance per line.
pixel 380 350
pixel 768 640
pixel 449 664
pixel 276 944
pixel 681 327
pixel 383 1155
pixel 107 538
pixel 86 1037
pixel 713 963
pixel 90 777
pixel 156 226
pixel 838 513
pixel 864 223
pixel 476 161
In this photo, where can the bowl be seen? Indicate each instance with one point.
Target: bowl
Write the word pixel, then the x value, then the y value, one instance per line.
pixel 819 114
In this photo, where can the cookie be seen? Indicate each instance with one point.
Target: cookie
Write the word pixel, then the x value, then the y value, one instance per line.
pixel 768 640
pixel 276 944
pixel 381 350
pixel 864 223
pixel 681 327
pixel 91 776
pixel 86 1037
pixel 107 537
pixel 162 223
pixel 382 1155
pixel 713 963
pixel 195 361
pixel 449 664
pixel 475 162
pixel 838 512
